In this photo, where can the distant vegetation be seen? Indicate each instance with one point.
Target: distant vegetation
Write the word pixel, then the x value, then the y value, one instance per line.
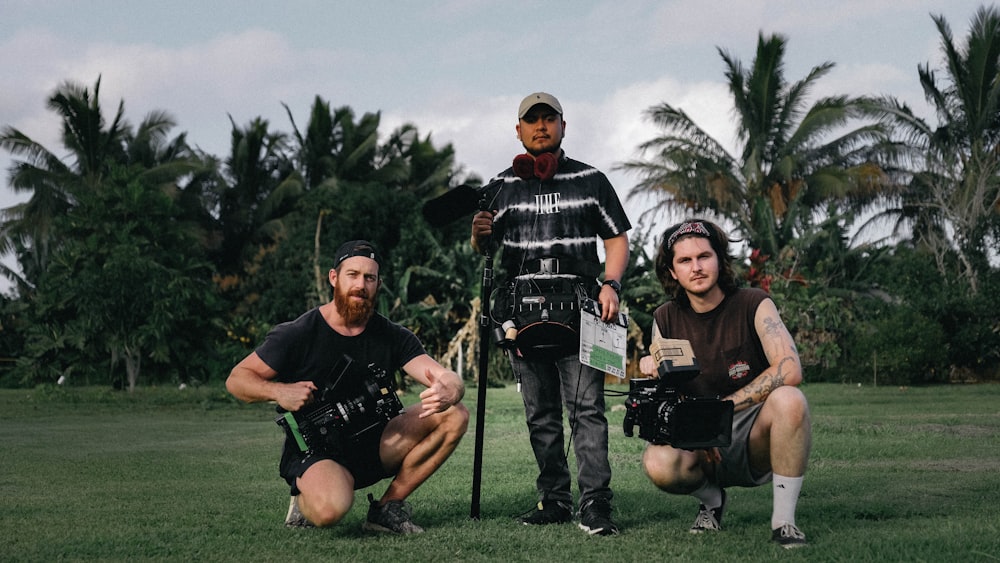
pixel 143 259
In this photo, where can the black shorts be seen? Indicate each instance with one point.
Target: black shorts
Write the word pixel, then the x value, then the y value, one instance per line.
pixel 361 460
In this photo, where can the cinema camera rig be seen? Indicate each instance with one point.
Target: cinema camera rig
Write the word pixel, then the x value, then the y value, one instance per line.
pixel 664 415
pixel 368 402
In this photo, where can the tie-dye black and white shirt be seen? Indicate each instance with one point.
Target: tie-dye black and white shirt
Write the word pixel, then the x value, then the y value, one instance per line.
pixel 561 217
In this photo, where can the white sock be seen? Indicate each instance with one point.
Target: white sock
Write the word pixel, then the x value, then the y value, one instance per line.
pixel 786 496
pixel 709 494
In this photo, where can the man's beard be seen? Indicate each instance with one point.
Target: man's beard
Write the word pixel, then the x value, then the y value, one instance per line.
pixel 554 150
pixel 354 312
pixel 707 290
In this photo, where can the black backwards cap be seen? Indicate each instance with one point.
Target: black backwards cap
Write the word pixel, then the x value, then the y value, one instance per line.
pixel 354 248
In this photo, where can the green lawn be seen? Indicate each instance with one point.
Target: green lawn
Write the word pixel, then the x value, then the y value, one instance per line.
pixel 908 474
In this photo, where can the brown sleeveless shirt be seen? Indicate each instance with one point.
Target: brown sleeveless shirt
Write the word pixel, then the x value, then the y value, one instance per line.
pixel 724 341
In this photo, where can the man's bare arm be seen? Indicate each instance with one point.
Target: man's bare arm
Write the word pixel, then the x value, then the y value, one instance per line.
pixel 785 367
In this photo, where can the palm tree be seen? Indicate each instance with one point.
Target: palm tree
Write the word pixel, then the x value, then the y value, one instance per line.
pixel 337 155
pixel 113 195
pixel 27 227
pixel 333 147
pixel 794 159
pixel 95 147
pixel 414 164
pixel 952 199
pixel 261 187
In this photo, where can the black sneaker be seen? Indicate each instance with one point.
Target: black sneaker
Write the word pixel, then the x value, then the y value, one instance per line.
pixel 547 512
pixel 595 518
pixel 788 536
pixel 709 520
pixel 294 518
pixel 393 518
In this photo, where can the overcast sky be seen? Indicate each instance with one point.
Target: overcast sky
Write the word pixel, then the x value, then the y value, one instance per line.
pixel 456 69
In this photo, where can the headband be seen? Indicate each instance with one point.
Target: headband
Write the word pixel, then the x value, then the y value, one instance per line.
pixel 692 228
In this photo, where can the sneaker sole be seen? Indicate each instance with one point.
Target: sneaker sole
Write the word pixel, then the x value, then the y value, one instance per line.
pixel 545 523
pixel 565 520
pixel 378 529
pixel 792 545
pixel 598 531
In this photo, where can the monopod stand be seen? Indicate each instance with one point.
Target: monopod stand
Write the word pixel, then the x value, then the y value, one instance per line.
pixel 440 211
pixel 484 358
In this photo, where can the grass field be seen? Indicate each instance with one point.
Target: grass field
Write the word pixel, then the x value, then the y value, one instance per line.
pixel 91 474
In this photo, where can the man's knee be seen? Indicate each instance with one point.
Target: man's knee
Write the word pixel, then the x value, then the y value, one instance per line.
pixel 455 421
pixel 327 493
pixel 327 514
pixel 670 470
pixel 790 405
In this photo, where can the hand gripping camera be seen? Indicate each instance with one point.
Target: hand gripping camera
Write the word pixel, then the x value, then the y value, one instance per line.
pixel 665 416
pixel 364 403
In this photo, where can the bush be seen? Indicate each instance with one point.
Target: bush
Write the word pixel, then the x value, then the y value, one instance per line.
pixel 899 347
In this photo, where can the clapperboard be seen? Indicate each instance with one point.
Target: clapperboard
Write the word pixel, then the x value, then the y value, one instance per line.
pixel 602 345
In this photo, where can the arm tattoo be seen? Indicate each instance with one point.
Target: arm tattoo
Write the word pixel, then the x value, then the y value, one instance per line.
pixel 777 343
pixel 758 389
pixel 772 326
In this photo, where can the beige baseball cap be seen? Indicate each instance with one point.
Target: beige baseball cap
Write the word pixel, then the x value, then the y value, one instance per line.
pixel 538 98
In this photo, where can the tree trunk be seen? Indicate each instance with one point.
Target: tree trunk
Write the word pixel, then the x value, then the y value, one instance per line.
pixel 132 363
pixel 321 292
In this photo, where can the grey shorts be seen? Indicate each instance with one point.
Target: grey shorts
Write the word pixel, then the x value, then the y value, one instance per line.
pixel 735 471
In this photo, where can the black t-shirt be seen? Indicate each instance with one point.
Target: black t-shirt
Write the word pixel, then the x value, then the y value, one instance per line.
pixel 561 217
pixel 724 341
pixel 307 349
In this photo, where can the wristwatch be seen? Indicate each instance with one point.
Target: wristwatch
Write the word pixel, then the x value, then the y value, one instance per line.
pixel 614 285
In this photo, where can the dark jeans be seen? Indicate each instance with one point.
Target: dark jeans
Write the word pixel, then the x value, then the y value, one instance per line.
pixel 545 387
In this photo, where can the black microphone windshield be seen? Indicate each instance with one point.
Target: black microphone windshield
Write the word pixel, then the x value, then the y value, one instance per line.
pixel 452 205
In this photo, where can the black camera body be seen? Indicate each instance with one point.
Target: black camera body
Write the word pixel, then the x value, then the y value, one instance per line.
pixel 664 416
pixel 328 425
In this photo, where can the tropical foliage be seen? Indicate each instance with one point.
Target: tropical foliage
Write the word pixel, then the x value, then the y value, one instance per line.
pixel 951 170
pixel 143 255
pixel 141 258
pixel 805 171
pixel 795 160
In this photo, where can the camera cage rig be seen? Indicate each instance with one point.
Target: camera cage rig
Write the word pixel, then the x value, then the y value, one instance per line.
pixel 327 425
pixel 663 415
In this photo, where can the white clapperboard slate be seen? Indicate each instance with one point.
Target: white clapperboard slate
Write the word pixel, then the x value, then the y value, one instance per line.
pixel 602 345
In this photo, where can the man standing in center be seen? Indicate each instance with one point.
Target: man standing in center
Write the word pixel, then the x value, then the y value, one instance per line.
pixel 547 212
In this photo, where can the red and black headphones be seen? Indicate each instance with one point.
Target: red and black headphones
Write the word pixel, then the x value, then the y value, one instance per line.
pixel 543 166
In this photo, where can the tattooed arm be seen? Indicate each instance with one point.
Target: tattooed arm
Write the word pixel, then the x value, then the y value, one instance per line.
pixel 784 369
